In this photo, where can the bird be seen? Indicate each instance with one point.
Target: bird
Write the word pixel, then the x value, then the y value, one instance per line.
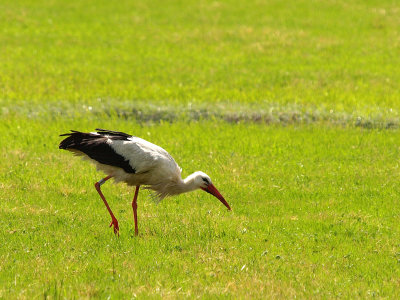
pixel 137 162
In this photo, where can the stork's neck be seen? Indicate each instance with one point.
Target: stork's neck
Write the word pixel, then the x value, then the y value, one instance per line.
pixel 188 184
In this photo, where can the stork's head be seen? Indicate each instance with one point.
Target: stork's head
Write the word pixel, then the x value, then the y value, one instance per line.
pixel 203 181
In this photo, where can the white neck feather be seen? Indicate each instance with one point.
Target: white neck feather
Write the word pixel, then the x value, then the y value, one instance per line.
pixel 188 184
pixel 174 188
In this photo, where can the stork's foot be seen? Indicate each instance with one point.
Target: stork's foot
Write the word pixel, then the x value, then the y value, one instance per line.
pixel 116 227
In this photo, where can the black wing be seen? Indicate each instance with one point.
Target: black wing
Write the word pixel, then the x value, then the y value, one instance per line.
pixel 111 133
pixel 96 147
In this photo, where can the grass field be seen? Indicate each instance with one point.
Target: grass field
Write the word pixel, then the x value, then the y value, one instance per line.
pixel 291 107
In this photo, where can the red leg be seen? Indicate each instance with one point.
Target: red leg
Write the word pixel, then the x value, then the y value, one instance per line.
pixel 114 220
pixel 134 206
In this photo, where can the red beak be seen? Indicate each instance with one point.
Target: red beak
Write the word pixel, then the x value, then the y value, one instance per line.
pixel 211 189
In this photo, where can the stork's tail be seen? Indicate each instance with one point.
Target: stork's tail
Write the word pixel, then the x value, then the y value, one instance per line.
pixel 75 139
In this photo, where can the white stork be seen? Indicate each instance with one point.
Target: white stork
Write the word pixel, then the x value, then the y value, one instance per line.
pixel 136 162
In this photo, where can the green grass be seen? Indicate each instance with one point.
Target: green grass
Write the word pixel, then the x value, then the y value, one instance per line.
pixel 313 215
pixel 292 107
pixel 341 55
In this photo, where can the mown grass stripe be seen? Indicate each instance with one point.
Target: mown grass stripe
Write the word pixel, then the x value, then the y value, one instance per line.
pixel 269 114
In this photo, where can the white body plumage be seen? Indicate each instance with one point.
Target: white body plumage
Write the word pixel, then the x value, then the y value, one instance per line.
pixel 154 167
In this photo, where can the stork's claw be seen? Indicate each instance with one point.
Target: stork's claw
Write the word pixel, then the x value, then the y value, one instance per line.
pixel 116 227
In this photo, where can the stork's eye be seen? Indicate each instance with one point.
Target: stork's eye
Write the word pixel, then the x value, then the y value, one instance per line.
pixel 205 180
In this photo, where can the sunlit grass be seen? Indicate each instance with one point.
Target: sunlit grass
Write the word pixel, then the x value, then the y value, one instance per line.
pixel 340 55
pixel 312 214
pixel 292 108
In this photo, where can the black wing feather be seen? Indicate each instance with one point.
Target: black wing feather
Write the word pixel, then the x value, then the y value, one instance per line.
pixel 113 133
pixel 96 147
